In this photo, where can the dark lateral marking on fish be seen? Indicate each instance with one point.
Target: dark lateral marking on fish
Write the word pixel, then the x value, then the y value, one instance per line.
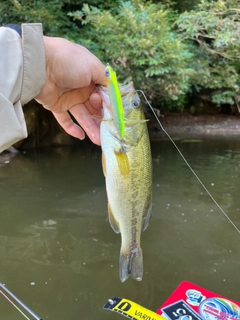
pixel 143 316
pixel 123 163
pixel 104 164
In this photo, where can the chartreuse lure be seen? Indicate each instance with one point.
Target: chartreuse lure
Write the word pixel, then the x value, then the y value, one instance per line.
pixel 115 100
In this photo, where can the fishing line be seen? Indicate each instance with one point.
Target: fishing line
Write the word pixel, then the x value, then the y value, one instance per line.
pixel 185 160
pixel 18 301
pixel 15 305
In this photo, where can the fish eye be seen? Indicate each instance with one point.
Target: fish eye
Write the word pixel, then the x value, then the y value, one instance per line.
pixel 107 73
pixel 136 102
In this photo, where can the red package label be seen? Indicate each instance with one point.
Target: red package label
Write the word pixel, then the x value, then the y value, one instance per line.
pixel 191 302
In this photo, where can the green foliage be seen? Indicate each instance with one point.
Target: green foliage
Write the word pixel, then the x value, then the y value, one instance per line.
pixel 215 30
pixel 101 4
pixel 166 54
pixel 185 5
pixel 52 14
pixel 49 13
pixel 141 45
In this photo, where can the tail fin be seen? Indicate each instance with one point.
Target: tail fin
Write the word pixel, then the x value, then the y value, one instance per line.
pixel 131 264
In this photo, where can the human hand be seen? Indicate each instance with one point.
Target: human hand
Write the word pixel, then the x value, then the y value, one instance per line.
pixel 70 87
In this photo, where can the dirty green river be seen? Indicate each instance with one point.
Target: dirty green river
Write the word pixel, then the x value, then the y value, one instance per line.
pixel 60 256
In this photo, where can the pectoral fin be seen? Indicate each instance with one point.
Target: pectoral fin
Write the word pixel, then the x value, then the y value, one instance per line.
pixel 130 123
pixel 113 222
pixel 123 163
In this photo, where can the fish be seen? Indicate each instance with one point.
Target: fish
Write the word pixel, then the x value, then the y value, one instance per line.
pixel 127 167
pixel 115 100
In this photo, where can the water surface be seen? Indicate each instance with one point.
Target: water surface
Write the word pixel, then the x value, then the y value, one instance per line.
pixel 59 254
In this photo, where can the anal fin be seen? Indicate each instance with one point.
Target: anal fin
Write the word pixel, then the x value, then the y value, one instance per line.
pixel 147 218
pixel 113 222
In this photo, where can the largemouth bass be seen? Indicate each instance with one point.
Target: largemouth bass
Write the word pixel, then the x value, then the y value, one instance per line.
pixel 127 167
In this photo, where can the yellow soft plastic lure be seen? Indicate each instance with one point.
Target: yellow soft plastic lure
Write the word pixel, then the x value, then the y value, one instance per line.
pixel 115 100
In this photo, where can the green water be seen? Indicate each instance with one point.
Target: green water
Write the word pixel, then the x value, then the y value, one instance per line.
pixel 60 256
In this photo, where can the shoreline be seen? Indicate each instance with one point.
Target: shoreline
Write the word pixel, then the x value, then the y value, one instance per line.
pixel 187 126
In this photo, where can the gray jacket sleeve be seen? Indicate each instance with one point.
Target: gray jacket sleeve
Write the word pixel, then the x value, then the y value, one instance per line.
pixel 22 75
